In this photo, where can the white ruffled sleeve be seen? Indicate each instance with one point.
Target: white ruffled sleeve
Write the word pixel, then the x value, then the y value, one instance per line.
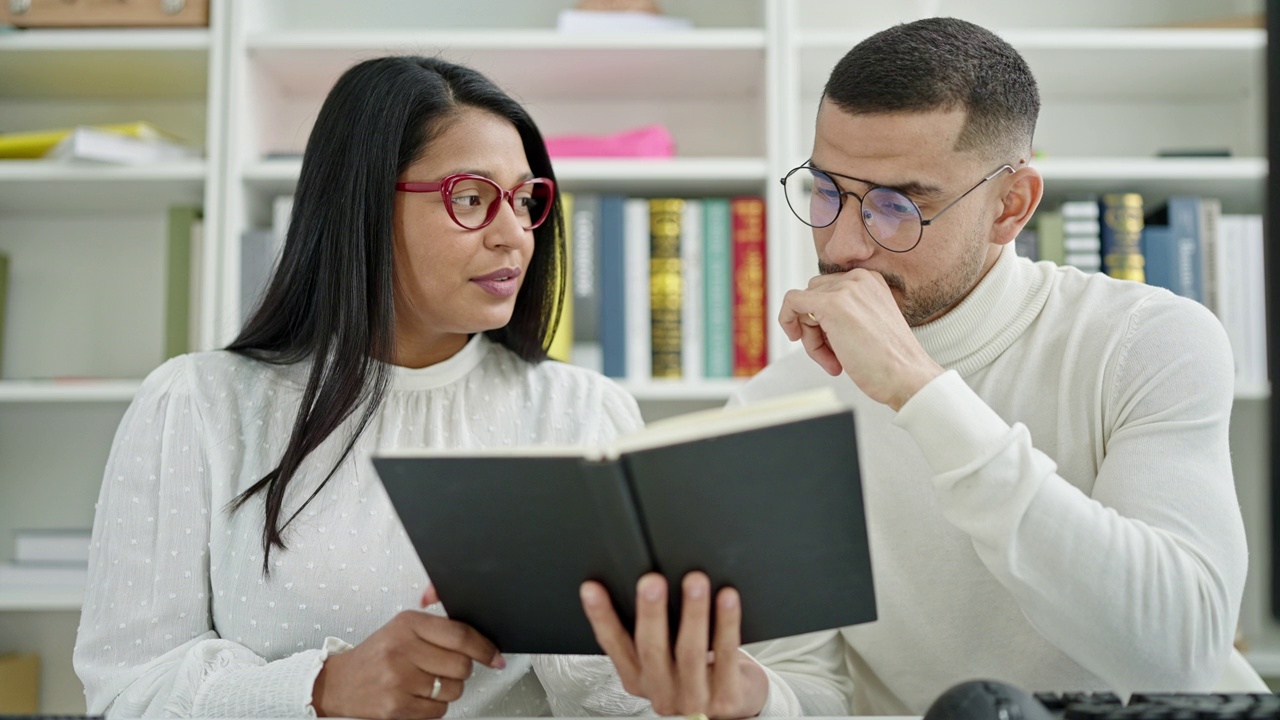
pixel 146 645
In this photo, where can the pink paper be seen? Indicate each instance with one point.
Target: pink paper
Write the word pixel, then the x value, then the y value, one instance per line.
pixel 651 141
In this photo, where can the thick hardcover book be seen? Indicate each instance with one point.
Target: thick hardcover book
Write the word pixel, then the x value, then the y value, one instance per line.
pixel 666 218
pixel 613 287
pixel 750 324
pixel 507 536
pixel 1182 215
pixel 717 285
pixel 1121 236
pixel 181 272
pixel 586 265
pixel 561 347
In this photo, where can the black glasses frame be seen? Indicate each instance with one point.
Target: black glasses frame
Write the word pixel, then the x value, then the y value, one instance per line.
pixel 861 210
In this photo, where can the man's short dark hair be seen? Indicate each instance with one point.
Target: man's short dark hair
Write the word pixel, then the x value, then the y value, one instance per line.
pixel 943 64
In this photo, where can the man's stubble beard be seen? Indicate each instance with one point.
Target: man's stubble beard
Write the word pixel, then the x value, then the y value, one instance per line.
pixel 923 304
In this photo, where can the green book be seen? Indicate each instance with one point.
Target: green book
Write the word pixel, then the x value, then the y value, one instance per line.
pixel 717 289
pixel 4 293
pixel 1050 235
pixel 178 282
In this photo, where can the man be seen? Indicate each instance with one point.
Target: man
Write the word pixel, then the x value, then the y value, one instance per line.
pixel 1048 487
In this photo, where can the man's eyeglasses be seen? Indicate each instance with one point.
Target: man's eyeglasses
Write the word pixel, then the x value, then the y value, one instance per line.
pixel 893 219
pixel 473 200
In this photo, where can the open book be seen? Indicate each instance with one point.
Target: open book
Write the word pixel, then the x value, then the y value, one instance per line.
pixel 765 498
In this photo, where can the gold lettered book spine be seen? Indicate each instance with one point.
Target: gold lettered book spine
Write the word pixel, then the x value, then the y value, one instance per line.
pixel 750 352
pixel 665 285
pixel 1122 237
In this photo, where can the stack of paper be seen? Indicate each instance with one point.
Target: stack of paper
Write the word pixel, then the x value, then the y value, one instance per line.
pixel 128 143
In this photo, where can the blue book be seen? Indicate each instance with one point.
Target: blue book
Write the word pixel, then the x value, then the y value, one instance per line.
pixel 1181 214
pixel 1162 257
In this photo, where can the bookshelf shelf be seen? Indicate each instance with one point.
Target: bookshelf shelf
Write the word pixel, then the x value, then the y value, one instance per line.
pixel 1105 63
pixel 161 63
pixel 515 40
pixel 39 391
pixel 679 175
pixel 534 63
pixel 1238 181
pixel 41 600
pixel 41 186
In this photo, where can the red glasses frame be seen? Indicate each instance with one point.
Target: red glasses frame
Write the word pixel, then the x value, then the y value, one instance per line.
pixel 445 188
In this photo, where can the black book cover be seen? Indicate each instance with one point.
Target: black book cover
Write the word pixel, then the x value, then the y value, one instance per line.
pixel 771 505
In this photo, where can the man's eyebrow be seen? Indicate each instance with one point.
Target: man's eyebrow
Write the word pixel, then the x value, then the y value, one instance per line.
pixel 917 189
pixel 912 188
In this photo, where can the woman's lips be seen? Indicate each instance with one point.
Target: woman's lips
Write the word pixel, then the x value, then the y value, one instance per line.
pixel 501 283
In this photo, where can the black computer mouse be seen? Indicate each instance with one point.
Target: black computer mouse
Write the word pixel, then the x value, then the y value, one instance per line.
pixel 986 700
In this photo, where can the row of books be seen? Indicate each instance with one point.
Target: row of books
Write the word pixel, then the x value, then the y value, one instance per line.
pixel 46 559
pixel 664 288
pixel 1185 244
pixel 657 287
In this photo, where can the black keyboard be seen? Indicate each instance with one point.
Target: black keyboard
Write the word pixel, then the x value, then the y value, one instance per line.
pixel 1162 706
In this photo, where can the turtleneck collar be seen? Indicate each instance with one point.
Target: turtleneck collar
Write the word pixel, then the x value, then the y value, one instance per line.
pixel 991 317
pixel 444 372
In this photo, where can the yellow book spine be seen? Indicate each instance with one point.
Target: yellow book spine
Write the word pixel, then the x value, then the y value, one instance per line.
pixel 561 347
pixel 665 285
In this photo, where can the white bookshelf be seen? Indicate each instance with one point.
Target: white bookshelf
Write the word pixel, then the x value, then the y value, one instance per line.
pixel 67 391
pixel 42 600
pixel 87 247
pixel 1119 82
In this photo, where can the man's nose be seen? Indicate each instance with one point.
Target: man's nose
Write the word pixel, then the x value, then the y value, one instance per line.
pixel 848 241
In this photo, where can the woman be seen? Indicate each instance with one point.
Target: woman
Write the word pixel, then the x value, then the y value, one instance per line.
pixel 246 561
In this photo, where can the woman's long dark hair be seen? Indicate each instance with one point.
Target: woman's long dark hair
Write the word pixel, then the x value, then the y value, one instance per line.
pixel 331 299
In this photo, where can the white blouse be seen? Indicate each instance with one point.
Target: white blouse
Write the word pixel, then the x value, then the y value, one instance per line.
pixel 179 618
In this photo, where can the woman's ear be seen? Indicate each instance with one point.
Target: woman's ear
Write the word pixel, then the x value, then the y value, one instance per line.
pixel 1021 198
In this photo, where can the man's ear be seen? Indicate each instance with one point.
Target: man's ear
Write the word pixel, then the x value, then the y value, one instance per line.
pixel 1021 198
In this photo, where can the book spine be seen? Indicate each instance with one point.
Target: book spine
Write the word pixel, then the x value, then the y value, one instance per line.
pixel 1050 231
pixel 1184 225
pixel 4 294
pixel 717 286
pixel 1161 258
pixel 665 219
pixel 613 287
pixel 177 309
pixel 1121 236
pixel 626 544
pixel 636 232
pixel 1210 212
pixel 1027 244
pixel 749 324
pixel 586 281
pixel 561 345
pixel 691 296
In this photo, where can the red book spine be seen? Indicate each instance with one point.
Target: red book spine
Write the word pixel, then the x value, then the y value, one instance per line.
pixel 750 345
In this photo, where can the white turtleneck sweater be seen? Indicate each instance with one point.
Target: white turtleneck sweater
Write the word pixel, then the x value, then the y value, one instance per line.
pixel 179 619
pixel 1057 510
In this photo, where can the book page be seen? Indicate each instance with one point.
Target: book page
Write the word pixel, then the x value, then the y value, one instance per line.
pixel 729 420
